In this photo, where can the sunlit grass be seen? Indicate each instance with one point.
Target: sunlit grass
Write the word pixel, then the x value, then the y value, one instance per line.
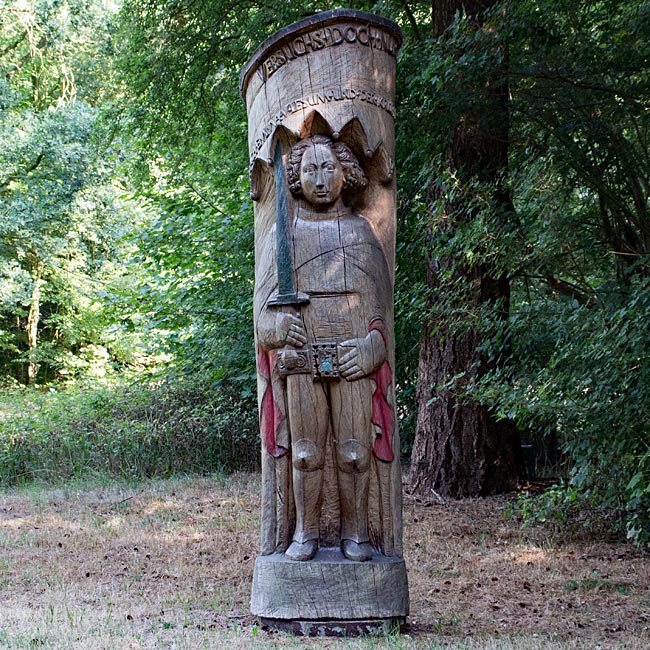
pixel 168 564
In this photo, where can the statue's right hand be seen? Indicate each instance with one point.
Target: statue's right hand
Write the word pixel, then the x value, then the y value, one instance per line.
pixel 290 330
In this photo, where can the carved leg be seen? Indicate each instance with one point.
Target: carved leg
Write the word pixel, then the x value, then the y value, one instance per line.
pixel 355 540
pixel 309 425
pixel 305 538
pixel 351 405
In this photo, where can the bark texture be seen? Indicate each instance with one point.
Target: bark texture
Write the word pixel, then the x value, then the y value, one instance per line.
pixel 33 319
pixel 459 448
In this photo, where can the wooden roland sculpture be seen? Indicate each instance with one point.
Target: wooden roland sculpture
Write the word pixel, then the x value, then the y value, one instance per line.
pixel 333 350
pixel 325 224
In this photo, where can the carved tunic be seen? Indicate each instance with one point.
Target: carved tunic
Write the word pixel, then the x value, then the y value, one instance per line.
pixel 334 263
pixel 341 266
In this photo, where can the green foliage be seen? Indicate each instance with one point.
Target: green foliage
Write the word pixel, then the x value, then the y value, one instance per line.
pixel 580 94
pixel 126 430
pixel 563 510
pixel 60 218
pixel 586 377
pixel 571 361
pixel 195 256
pixel 579 324
pixel 439 262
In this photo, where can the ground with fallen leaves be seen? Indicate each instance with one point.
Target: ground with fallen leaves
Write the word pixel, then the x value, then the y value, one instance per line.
pixel 168 564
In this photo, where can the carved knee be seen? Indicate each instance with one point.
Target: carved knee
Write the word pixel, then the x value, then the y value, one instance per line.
pixel 307 456
pixel 353 457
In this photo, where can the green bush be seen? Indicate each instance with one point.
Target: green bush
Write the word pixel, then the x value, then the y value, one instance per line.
pixel 128 431
pixel 583 373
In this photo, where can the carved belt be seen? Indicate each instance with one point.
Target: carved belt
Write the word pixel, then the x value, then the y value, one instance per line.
pixel 321 360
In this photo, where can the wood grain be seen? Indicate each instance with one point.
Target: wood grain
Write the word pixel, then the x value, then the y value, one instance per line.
pixel 330 587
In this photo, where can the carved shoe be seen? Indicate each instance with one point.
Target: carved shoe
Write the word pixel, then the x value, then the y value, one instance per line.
pixel 356 551
pixel 302 551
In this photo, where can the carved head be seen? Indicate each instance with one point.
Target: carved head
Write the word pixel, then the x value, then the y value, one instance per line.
pixel 320 169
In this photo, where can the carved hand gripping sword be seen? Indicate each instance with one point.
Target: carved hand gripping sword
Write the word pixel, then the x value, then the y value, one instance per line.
pixel 321 357
pixel 290 361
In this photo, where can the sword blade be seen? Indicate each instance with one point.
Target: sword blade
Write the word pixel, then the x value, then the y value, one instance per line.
pixel 287 294
pixel 283 251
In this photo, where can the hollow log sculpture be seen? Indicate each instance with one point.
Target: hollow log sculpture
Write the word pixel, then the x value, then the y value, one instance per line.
pixel 319 96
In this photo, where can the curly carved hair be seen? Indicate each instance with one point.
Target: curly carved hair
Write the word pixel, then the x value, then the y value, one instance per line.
pixel 354 178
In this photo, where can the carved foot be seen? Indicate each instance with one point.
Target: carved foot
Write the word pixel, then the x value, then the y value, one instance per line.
pixel 356 551
pixel 302 551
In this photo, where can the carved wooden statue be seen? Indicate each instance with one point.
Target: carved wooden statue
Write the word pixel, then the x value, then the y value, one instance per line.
pixel 332 351
pixel 319 96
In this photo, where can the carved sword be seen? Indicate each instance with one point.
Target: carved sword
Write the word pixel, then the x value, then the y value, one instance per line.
pixel 287 294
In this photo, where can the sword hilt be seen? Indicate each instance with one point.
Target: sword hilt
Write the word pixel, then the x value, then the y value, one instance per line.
pixel 296 298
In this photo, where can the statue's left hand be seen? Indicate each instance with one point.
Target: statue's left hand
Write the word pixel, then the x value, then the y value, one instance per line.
pixel 360 357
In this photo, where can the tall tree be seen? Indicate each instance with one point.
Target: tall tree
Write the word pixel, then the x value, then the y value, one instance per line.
pixel 460 448
pixel 58 213
pixel 579 371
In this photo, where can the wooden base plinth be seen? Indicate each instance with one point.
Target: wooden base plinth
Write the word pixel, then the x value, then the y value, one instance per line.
pixel 330 595
pixel 372 627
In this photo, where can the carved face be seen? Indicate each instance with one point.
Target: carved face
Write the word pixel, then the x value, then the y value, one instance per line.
pixel 321 176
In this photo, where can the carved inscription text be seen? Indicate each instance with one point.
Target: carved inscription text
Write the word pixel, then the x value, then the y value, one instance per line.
pixel 328 37
pixel 336 94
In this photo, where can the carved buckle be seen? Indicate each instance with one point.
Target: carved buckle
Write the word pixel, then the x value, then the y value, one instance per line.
pixel 325 361
pixel 294 362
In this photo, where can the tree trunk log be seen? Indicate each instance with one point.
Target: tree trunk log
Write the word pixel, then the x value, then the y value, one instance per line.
pixel 459 449
pixel 33 319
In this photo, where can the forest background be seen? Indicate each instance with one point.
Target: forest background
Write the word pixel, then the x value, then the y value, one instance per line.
pixel 126 238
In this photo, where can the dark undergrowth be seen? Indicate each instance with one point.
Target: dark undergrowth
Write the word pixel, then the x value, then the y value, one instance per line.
pixel 130 430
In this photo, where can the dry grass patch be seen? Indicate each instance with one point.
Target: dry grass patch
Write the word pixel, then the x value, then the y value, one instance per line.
pixel 168 564
pixel 475 573
pixel 127 566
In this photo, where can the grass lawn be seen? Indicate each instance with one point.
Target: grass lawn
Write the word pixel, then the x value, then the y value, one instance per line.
pixel 168 564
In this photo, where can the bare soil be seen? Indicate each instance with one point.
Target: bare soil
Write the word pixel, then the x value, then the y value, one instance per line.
pixel 168 564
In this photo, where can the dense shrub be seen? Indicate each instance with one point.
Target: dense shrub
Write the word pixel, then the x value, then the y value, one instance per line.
pixel 582 373
pixel 129 431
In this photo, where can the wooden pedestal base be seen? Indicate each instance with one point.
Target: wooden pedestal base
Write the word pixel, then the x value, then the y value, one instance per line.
pixel 372 627
pixel 330 595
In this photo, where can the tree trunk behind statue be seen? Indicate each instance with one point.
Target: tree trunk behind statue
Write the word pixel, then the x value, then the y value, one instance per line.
pixel 319 96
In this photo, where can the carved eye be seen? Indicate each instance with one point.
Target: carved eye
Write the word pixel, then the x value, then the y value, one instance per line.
pixel 309 169
pixel 330 167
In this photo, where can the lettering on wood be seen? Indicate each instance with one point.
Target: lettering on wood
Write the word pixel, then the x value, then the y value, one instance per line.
pixel 324 97
pixel 328 37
